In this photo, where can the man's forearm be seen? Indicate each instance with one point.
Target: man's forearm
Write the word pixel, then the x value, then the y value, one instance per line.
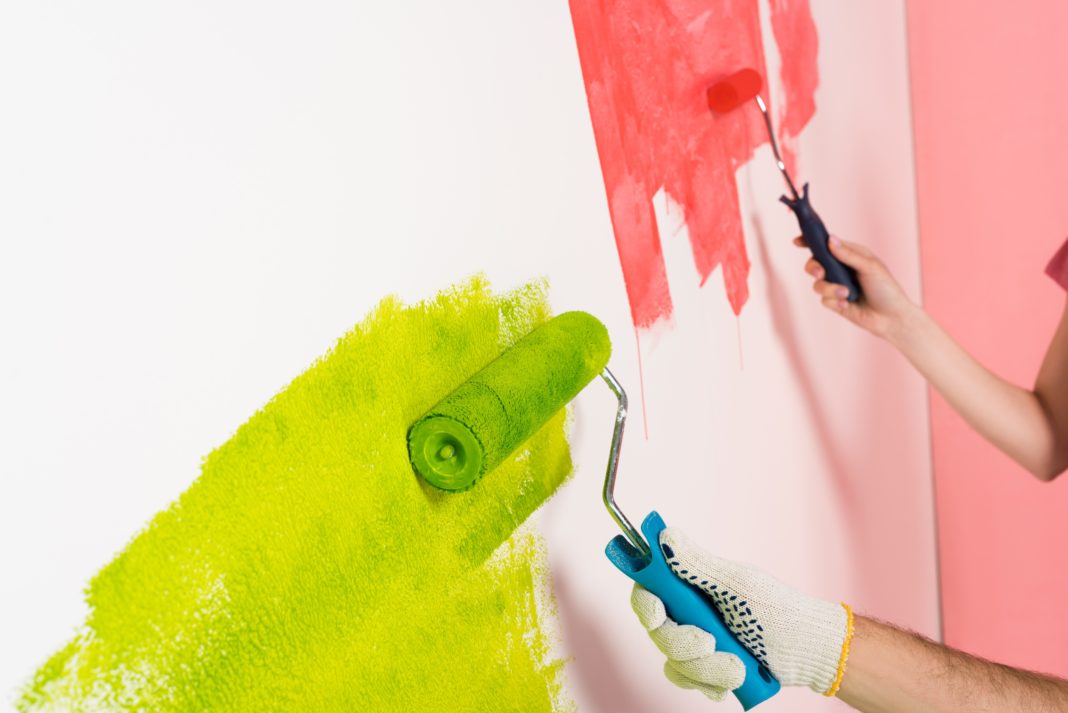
pixel 894 671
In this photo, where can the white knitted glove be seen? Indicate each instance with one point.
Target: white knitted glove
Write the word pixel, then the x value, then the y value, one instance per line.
pixel 692 659
pixel 803 641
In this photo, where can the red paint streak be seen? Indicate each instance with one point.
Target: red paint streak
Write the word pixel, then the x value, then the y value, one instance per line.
pixel 647 66
pixel 795 34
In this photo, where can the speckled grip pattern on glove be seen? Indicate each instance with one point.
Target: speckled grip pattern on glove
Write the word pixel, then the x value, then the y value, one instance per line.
pixel 798 637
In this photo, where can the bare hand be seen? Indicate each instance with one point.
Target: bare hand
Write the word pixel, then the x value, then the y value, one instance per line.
pixel 884 305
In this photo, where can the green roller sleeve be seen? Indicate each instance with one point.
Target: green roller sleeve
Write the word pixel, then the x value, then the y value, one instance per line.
pixel 473 429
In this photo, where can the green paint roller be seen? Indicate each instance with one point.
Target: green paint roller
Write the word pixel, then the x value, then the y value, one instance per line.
pixel 473 429
pixel 488 417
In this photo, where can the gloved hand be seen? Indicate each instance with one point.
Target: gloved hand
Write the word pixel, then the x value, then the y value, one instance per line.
pixel 803 641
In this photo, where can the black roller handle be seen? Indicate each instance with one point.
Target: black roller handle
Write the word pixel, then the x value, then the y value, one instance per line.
pixel 816 237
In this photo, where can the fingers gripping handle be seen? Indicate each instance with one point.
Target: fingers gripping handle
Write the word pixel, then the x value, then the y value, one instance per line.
pixel 816 238
pixel 687 605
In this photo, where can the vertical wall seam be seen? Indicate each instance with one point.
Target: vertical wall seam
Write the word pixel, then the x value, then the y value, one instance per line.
pixel 919 271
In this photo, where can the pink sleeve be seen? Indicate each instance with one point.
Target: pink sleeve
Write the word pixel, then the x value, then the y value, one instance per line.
pixel 1058 266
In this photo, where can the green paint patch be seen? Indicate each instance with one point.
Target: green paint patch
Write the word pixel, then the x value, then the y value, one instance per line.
pixel 309 569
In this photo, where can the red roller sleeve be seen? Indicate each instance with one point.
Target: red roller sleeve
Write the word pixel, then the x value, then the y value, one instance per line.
pixel 733 91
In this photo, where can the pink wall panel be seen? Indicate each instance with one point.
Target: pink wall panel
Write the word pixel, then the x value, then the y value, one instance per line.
pixel 990 111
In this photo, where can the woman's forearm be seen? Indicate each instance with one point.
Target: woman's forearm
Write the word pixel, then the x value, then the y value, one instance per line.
pixel 1031 426
pixel 1012 418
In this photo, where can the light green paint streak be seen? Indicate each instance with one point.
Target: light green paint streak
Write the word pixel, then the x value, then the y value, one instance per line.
pixel 309 569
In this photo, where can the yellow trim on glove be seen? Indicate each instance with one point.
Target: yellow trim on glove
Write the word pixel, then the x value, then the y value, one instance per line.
pixel 845 652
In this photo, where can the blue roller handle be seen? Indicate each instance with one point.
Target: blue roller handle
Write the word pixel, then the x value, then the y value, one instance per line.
pixel 816 237
pixel 687 605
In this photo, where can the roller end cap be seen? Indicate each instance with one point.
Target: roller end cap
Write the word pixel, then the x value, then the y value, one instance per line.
pixel 445 453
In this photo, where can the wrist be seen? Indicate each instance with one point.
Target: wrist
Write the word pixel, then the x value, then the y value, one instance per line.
pixel 903 328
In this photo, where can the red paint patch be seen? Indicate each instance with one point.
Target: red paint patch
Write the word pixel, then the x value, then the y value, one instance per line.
pixel 795 34
pixel 647 67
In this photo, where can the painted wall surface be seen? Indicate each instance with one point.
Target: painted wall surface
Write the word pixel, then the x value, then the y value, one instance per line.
pixel 819 429
pixel 199 200
pixel 991 171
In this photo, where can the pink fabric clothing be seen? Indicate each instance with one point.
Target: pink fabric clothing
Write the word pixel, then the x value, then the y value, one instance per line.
pixel 1058 266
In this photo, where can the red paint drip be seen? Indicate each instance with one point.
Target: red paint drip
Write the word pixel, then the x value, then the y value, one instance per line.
pixel 641 384
pixel 647 67
pixel 741 350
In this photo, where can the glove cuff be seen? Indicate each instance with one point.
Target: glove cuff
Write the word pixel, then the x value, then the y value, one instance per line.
pixel 844 658
pixel 821 648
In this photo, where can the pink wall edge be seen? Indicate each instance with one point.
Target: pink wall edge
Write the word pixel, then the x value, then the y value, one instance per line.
pixel 990 115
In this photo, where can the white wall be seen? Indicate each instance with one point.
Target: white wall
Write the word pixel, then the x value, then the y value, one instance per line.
pixel 196 199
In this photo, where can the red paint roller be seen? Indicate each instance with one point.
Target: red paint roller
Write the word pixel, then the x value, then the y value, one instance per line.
pixel 730 93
